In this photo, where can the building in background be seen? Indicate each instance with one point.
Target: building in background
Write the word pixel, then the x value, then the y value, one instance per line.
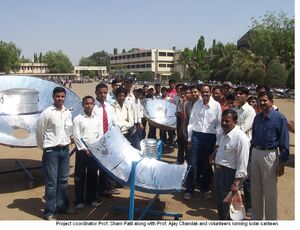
pixel 101 71
pixel 162 62
pixel 33 68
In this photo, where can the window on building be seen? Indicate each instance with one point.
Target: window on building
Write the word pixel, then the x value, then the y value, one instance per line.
pixel 148 65
pixel 143 54
pixel 138 66
pixel 170 54
pixel 162 54
pixel 143 65
pixel 128 56
pixel 170 65
pixel 148 54
pixel 132 55
pixel 162 65
pixel 124 57
pixel 138 55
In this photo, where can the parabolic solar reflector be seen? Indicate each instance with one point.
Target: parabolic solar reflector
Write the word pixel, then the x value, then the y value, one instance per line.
pixel 160 113
pixel 115 155
pixel 22 99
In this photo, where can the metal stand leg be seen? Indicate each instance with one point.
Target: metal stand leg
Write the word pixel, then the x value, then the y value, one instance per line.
pixel 31 178
pixel 146 210
pixel 132 190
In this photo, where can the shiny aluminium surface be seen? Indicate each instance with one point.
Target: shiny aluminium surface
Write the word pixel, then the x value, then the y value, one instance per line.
pixel 115 155
pixel 18 101
pixel 12 121
pixel 160 113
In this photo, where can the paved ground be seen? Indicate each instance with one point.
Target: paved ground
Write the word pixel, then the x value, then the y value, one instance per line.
pixel 19 202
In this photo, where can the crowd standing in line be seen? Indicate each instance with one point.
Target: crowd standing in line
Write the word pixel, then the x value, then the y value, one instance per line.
pixel 226 137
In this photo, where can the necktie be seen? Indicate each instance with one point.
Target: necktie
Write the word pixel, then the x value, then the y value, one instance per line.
pixel 105 121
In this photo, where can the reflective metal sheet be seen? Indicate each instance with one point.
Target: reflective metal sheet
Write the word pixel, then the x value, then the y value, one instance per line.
pixel 19 101
pixel 160 113
pixel 18 113
pixel 115 155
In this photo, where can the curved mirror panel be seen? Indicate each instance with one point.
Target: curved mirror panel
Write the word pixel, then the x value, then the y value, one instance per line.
pixel 160 113
pixel 22 99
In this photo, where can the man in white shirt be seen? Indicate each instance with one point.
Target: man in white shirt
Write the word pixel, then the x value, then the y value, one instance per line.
pixel 231 160
pixel 136 131
pixel 104 112
pixel 128 86
pixel 123 116
pixel 246 114
pixel 204 124
pixel 115 84
pixel 53 131
pixel 87 128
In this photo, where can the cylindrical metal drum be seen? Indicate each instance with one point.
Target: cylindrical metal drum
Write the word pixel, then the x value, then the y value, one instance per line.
pixel 149 147
pixel 19 101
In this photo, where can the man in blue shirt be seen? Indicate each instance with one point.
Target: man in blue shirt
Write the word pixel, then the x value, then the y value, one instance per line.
pixel 270 142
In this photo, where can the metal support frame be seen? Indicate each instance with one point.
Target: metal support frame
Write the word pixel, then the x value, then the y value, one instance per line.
pixel 26 170
pixel 147 210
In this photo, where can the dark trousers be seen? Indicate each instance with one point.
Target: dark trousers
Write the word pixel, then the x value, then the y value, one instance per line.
pixel 171 136
pixel 56 167
pixel 144 123
pixel 247 187
pixel 182 144
pixel 85 178
pixel 152 132
pixel 223 181
pixel 202 147
pixel 136 137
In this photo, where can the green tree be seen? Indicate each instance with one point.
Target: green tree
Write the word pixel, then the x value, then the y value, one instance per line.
pixel 186 59
pixel 100 58
pixel 276 75
pixel 58 62
pixel 176 76
pixel 115 51
pixel 40 57
pixel 290 81
pixel 35 58
pixel 146 76
pixel 273 37
pixel 24 60
pixel 201 71
pixel 258 76
pixel 9 57
pixel 123 51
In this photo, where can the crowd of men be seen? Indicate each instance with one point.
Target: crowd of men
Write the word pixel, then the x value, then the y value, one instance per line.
pixel 231 140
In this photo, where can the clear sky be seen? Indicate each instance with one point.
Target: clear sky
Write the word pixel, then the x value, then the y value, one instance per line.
pixel 82 27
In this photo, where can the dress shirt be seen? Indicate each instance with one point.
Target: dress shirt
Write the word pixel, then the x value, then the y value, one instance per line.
pixel 137 111
pixel 87 129
pixel 271 131
pixel 205 118
pixel 98 111
pixel 111 99
pixel 187 114
pixel 123 117
pixel 246 116
pixel 129 100
pixel 233 151
pixel 54 127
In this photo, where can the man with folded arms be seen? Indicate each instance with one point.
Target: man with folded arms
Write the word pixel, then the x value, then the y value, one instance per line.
pixel 270 151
